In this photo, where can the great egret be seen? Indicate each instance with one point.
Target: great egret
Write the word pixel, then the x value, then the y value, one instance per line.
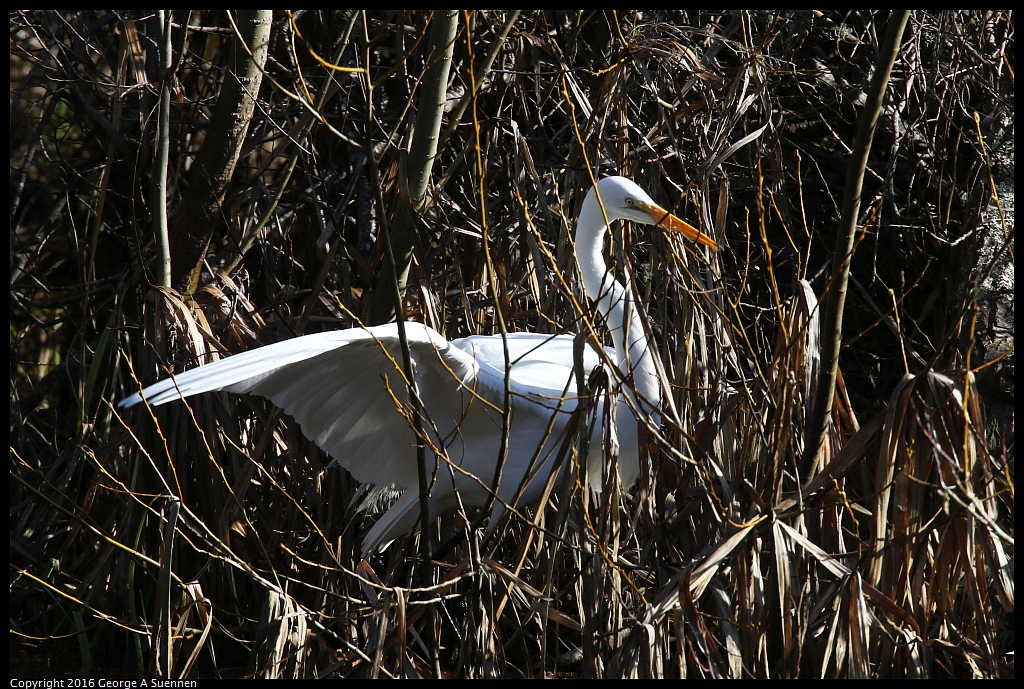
pixel 342 388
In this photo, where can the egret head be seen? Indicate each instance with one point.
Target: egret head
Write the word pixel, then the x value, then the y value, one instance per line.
pixel 623 199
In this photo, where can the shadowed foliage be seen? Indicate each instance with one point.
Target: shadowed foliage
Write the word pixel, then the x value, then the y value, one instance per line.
pixel 211 538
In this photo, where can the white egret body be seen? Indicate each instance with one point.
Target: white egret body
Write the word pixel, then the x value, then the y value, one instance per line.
pixel 341 387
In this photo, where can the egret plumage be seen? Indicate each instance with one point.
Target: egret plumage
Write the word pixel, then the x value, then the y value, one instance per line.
pixel 344 388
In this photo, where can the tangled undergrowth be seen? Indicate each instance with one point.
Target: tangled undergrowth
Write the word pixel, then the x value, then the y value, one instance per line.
pixel 212 539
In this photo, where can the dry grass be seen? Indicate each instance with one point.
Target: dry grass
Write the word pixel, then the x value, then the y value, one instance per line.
pixel 210 538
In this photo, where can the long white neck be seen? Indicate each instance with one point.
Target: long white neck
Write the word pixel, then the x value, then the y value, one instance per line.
pixel 616 302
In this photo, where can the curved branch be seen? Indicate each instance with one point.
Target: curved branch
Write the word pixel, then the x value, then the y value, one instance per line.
pixel 832 324
pixel 199 210
pixel 422 151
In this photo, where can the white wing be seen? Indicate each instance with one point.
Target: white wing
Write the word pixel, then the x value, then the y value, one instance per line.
pixel 543 366
pixel 336 385
pixel 344 388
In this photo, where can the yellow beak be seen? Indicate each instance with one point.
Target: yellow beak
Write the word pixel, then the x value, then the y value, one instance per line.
pixel 662 218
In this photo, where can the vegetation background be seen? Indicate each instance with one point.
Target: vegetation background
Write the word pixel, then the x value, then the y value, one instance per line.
pixel 191 183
